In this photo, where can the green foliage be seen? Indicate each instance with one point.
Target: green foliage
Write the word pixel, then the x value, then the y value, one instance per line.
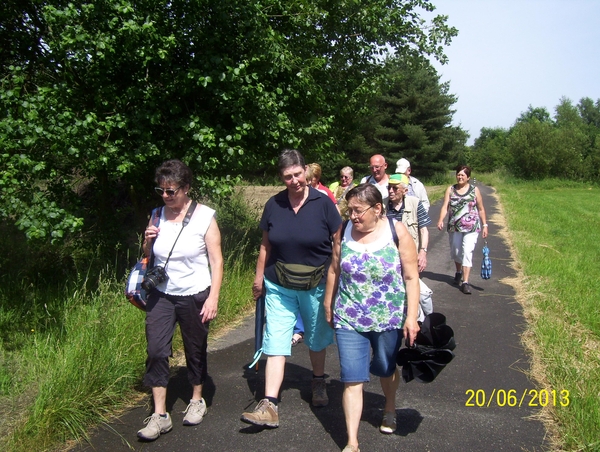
pixel 95 95
pixel 539 114
pixel 531 148
pixel 411 118
pixel 538 146
pixel 489 151
pixel 92 361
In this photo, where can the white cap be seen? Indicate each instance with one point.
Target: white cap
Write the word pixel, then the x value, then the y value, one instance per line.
pixel 402 165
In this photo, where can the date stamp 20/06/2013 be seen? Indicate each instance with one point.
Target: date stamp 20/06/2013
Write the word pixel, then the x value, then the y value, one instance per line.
pixel 513 398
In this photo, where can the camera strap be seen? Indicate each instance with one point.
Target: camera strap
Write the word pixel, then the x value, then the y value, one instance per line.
pixel 186 220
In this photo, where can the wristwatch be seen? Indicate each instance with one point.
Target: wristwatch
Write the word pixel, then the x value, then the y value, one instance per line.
pixel 424 249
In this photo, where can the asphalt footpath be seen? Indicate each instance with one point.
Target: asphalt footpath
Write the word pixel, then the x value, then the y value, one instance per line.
pixel 467 407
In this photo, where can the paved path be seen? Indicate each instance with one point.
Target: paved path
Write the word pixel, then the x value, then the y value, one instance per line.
pixel 431 417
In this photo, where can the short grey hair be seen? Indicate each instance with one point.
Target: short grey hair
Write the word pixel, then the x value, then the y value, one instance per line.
pixel 290 157
pixel 347 169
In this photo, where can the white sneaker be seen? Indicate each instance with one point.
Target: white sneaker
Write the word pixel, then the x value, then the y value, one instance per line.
pixel 155 425
pixel 195 412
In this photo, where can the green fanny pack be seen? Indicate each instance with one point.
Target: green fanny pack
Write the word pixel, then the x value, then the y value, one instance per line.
pixel 298 276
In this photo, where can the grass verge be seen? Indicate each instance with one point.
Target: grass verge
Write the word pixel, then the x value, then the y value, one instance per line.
pixel 555 234
pixel 71 357
pixel 76 374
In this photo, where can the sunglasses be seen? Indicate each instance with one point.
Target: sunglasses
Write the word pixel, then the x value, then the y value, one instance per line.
pixel 169 191
pixel 393 187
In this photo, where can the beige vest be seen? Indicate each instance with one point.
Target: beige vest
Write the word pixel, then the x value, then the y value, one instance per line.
pixel 410 217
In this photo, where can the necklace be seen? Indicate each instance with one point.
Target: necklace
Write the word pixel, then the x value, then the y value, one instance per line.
pixel 178 212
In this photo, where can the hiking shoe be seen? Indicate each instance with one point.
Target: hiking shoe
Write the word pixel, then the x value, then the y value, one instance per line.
pixel 155 425
pixel 319 392
pixel 388 424
pixel 457 278
pixel 265 414
pixel 195 412
pixel 465 288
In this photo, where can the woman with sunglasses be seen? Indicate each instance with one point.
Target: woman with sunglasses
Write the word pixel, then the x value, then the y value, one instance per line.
pixel 371 300
pixel 342 187
pixel 187 244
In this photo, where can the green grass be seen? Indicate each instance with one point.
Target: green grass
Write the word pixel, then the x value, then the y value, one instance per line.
pixel 555 229
pixel 71 357
pixel 74 374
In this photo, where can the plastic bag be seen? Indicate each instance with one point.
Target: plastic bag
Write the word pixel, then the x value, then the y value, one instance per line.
pixel 486 263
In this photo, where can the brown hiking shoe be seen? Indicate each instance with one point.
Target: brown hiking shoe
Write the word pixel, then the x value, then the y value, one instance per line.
pixel 319 392
pixel 265 414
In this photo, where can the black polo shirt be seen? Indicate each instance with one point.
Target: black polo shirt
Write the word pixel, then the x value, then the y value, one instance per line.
pixel 299 238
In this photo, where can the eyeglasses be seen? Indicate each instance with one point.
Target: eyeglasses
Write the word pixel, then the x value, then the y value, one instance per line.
pixel 354 213
pixel 375 167
pixel 393 187
pixel 169 191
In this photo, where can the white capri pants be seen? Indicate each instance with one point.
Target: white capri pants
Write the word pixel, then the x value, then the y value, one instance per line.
pixel 462 245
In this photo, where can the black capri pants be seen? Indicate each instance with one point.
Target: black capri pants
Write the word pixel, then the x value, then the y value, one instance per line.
pixel 163 311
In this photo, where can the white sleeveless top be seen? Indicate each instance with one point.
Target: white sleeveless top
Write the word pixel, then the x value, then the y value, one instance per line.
pixel 188 268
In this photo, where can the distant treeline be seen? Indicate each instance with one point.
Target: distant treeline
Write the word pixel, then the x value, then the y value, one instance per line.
pixel 539 146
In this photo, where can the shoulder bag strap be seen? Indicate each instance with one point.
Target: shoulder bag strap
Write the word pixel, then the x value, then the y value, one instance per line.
pixel 394 233
pixel 186 220
pixel 156 214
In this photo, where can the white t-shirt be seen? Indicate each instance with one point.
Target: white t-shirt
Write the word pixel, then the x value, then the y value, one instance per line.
pixel 382 188
pixel 188 268
pixel 416 188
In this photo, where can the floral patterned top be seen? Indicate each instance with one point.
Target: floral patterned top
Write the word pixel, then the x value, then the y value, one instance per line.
pixel 371 294
pixel 464 216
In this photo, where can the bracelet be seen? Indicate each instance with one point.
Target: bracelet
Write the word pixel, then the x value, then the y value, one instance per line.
pixel 485 225
pixel 424 249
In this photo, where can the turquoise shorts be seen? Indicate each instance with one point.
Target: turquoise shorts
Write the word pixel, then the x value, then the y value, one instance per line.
pixel 282 305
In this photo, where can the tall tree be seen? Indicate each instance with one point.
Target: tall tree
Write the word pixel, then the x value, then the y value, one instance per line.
pixel 538 146
pixel 412 118
pixel 489 151
pixel 95 94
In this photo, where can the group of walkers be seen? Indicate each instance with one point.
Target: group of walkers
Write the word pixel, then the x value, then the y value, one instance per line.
pixel 343 261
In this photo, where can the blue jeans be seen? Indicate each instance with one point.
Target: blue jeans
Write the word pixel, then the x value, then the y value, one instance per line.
pixel 355 353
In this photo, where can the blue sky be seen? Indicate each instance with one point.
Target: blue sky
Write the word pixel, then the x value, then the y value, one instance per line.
pixel 510 54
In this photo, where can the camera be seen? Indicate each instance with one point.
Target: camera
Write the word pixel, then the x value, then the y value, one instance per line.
pixel 154 277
